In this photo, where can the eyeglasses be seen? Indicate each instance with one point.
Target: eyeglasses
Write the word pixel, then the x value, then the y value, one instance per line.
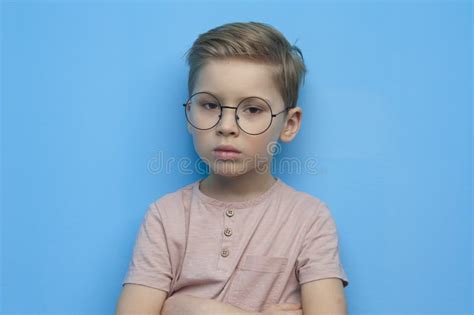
pixel 253 114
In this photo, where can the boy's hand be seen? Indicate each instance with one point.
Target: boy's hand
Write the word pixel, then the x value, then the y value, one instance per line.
pixel 283 309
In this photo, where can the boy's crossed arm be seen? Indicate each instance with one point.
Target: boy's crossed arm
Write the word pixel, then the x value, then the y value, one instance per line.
pixel 324 296
pixel 190 305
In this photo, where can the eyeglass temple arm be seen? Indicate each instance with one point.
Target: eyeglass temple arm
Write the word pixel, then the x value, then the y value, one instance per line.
pixel 287 108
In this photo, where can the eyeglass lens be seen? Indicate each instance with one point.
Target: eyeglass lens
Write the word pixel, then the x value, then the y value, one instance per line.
pixel 254 115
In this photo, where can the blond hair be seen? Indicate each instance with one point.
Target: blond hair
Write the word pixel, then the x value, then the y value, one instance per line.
pixel 254 41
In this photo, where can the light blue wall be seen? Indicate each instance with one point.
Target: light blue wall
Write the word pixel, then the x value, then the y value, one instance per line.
pixel 92 94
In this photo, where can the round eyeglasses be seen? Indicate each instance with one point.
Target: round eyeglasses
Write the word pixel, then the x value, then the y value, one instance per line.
pixel 253 114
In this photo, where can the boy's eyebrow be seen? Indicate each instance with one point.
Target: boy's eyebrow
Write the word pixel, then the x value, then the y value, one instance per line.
pixel 219 96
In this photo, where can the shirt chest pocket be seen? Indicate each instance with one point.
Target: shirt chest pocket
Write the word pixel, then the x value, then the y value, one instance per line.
pixel 257 281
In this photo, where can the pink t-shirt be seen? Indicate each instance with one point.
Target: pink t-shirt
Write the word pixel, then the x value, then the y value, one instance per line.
pixel 248 254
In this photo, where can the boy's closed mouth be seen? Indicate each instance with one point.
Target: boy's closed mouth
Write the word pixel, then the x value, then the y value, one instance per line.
pixel 226 152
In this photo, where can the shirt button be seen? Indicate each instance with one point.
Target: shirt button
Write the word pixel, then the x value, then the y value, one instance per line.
pixel 225 252
pixel 229 212
pixel 227 232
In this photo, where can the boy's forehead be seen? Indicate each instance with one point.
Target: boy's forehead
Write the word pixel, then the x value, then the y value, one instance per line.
pixel 229 78
pixel 239 65
pixel 242 96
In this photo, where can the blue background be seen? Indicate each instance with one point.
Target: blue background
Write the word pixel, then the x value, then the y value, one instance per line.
pixel 91 100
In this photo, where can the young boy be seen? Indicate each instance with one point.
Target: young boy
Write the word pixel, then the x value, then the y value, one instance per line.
pixel 239 240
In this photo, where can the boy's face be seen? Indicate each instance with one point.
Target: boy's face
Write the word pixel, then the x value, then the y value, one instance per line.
pixel 232 80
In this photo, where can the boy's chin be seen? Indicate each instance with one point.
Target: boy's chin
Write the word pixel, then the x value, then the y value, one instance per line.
pixel 236 168
pixel 229 170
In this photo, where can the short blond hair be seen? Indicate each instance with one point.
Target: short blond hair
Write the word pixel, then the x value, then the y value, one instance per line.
pixel 254 41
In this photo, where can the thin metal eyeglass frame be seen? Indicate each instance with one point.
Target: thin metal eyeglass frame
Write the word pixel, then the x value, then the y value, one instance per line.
pixel 236 116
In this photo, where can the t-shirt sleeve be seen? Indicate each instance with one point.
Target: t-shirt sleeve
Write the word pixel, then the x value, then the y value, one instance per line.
pixel 150 264
pixel 319 256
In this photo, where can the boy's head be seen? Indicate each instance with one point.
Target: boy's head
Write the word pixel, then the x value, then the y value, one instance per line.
pixel 253 67
pixel 254 41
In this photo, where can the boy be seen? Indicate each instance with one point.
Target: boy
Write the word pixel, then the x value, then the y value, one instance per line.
pixel 239 241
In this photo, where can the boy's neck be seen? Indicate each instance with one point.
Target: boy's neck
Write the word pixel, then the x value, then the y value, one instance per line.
pixel 238 188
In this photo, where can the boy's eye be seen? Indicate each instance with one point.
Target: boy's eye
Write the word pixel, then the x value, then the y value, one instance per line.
pixel 253 110
pixel 209 105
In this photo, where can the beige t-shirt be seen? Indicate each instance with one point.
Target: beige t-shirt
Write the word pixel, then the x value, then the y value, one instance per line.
pixel 248 254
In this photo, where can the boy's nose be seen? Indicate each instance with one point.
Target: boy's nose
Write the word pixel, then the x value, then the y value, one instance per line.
pixel 227 124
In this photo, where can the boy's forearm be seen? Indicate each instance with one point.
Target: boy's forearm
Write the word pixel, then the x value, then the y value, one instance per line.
pixel 188 305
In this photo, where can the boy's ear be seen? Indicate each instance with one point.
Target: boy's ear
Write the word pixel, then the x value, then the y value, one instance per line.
pixel 292 124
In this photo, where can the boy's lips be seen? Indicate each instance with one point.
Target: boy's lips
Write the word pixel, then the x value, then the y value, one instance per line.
pixel 226 148
pixel 226 152
pixel 226 155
